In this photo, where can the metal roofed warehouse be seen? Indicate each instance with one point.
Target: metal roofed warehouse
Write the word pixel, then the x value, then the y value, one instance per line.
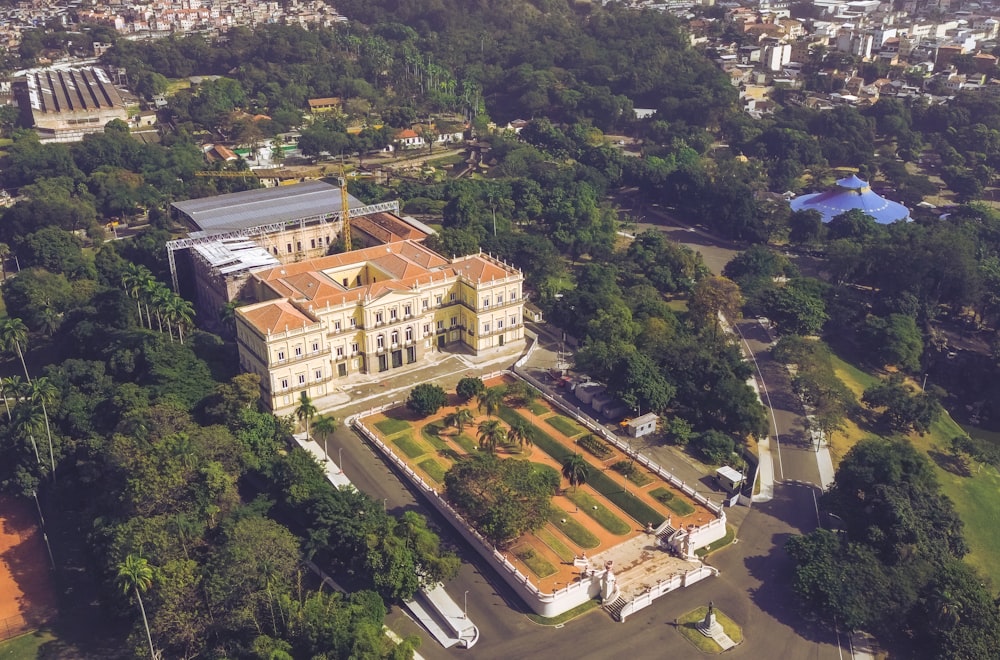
pixel 253 208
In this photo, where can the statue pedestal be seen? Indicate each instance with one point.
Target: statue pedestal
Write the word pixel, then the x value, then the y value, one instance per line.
pixel 708 626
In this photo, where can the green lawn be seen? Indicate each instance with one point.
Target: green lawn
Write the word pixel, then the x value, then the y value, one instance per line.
pixel 576 532
pixel 542 440
pixel 975 496
pixel 538 408
pixel 409 446
pixel 391 426
pixel 641 512
pixel 433 469
pixel 25 647
pixel 431 433
pixel 556 545
pixel 687 626
pixel 604 517
pixel 721 543
pixel 632 472
pixel 565 616
pixel 465 442
pixel 564 425
pixel 672 502
pixel 538 564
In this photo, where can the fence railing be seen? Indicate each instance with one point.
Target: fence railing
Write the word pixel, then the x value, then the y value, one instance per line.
pixel 14 626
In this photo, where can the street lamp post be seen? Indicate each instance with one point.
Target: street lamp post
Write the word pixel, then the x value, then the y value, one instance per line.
pixel 465 609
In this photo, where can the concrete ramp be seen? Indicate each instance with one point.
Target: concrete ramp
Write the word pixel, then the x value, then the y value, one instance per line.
pixel 442 617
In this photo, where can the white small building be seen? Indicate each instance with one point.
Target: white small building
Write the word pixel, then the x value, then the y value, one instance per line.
pixel 642 425
pixel 729 478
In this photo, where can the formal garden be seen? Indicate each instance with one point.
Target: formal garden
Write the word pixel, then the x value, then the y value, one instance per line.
pixel 492 445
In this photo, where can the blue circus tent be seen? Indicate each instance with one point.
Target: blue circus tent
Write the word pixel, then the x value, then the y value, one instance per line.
pixel 852 193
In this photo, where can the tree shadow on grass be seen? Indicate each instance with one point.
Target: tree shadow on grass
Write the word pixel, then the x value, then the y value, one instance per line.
pixel 957 465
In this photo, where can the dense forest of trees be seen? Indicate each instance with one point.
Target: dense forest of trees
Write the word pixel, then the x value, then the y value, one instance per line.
pixel 179 492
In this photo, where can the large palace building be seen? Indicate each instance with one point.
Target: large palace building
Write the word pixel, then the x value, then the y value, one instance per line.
pixel 374 310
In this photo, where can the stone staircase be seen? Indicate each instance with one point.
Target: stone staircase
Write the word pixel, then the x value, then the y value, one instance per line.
pixel 664 531
pixel 614 608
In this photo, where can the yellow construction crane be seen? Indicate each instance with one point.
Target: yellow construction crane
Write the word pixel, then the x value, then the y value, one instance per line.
pixel 345 210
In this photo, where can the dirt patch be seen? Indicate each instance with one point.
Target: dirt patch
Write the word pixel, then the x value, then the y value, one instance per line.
pixel 27 594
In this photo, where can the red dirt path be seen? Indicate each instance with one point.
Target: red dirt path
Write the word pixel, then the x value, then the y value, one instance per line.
pixel 27 594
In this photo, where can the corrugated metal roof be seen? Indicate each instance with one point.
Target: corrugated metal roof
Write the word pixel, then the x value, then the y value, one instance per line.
pixel 253 208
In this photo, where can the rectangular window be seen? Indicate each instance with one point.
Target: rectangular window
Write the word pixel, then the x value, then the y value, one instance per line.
pixel 284 383
pixel 440 325
pixel 319 374
pixel 411 355
pixel 281 356
pixel 395 337
pixel 315 347
pixel 500 298
pixel 423 304
pixel 289 248
pixel 358 281
pixel 427 328
pixel 397 359
pixel 380 341
pixel 513 320
pixel 454 321
pixel 451 297
pixel 486 302
pixel 499 324
pixel 408 310
pixel 383 362
pixel 513 295
pixel 342 369
pixel 392 313
pixel 378 317
pixel 298 351
pixel 340 352
pixel 486 328
pixel 312 244
pixel 298 245
pixel 354 348
pixel 354 323
pixel 409 334
pixel 302 379
pixel 336 326
pixel 437 300
pixel 327 240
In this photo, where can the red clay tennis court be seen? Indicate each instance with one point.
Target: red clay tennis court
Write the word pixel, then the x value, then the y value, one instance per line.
pixel 27 594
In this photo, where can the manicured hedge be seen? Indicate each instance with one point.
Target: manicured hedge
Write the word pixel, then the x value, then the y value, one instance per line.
pixel 391 426
pixel 576 532
pixel 672 502
pixel 604 517
pixel 409 446
pixel 564 425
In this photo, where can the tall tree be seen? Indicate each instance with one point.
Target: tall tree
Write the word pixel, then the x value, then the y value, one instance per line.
pixel 305 411
pixel 519 433
pixel 44 393
pixel 491 399
pixel 491 434
pixel 459 419
pixel 135 574
pixel 576 469
pixel 324 426
pixel 13 333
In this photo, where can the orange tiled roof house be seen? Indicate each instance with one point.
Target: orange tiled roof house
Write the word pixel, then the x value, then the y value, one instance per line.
pixel 381 309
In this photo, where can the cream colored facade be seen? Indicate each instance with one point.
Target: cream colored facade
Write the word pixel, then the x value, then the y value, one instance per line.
pixel 379 310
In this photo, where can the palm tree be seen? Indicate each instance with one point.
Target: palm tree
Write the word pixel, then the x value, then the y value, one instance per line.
pixel 324 426
pixel 180 312
pixel 49 321
pixel 43 392
pixel 305 411
pixel 13 333
pixel 148 290
pixel 490 400
pixel 459 419
pixel 576 470
pixel 27 423
pixel 11 387
pixel 490 435
pixel 135 574
pixel 519 434
pixel 162 298
pixel 135 278
pixel 4 254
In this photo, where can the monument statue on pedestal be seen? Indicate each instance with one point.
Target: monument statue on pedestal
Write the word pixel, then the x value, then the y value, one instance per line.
pixel 709 626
